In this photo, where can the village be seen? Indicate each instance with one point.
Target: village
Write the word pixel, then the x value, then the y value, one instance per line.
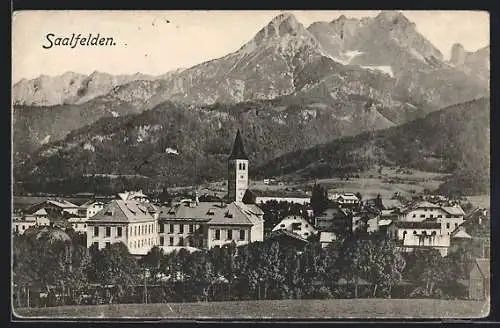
pixel 202 222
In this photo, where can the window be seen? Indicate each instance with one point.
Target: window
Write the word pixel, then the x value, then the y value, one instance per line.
pixel 119 231
pixel 242 234
pixel 440 216
pixel 243 166
pixel 95 244
pixel 171 241
pixel 414 232
pixel 181 241
pixel 229 234
pixel 422 215
pixel 217 234
pixel 171 228
pixel 135 230
pixel 162 228
pixel 162 241
pixel 181 228
pixel 448 216
pixel 108 231
pixel 135 244
pixel 96 231
pixel 191 228
pixel 108 244
pixel 456 224
pixel 432 216
pixel 447 225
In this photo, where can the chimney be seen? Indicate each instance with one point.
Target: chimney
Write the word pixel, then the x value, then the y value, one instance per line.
pixel 196 199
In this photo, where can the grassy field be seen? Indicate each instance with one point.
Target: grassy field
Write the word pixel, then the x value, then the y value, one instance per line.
pixel 273 309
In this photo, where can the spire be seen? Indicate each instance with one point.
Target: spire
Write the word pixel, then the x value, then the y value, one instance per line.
pixel 238 149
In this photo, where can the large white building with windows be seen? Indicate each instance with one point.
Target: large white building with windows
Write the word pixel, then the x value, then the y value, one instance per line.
pixel 128 221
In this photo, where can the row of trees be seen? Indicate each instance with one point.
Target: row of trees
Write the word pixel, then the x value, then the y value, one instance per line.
pixel 360 266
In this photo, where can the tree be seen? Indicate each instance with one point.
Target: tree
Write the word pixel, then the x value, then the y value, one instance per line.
pixel 152 262
pixel 117 267
pixel 319 199
pixel 165 197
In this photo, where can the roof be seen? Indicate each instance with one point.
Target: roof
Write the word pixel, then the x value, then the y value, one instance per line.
pixel 289 220
pixel 123 212
pixel 453 210
pixel 62 203
pixel 170 249
pixel 391 203
pixel 279 194
pixel 326 237
pixel 460 234
pixel 334 212
pixel 285 233
pixel 384 222
pixel 418 225
pixel 41 211
pixel 484 267
pixel 423 204
pixel 214 213
pixel 238 149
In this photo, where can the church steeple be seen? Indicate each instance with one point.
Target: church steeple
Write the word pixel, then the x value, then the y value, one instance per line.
pixel 238 149
pixel 237 171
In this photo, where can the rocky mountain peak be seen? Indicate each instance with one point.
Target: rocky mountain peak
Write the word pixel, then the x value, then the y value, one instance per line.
pixel 280 26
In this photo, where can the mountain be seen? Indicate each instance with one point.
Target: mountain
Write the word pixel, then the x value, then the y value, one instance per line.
pixel 391 43
pixel 454 140
pixel 182 143
pixel 68 88
pixel 473 63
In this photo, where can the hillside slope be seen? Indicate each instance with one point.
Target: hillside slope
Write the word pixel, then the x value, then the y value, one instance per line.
pixel 455 139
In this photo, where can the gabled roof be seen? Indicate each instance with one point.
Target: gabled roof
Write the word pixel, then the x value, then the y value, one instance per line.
pixel 211 212
pixel 286 234
pixel 460 234
pixel 327 236
pixel 61 203
pixel 238 149
pixel 41 211
pixel 123 212
pixel 453 210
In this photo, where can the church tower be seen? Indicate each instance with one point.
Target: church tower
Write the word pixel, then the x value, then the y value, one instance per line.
pixel 237 171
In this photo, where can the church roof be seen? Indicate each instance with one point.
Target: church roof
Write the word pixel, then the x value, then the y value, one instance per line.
pixel 238 149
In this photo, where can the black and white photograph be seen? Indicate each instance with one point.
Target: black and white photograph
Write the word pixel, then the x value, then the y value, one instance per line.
pixel 250 165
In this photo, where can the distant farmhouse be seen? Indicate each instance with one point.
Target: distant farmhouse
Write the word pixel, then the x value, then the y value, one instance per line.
pixel 188 224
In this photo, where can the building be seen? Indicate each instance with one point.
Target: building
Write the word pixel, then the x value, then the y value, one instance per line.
pixel 326 238
pixel 288 239
pixel 39 218
pixel 79 224
pixel 450 217
pixel 237 171
pixel 346 198
pixel 128 221
pixel 479 280
pixel 338 220
pixel 56 207
pixel 208 224
pixel 419 234
pixel 90 208
pixel 297 225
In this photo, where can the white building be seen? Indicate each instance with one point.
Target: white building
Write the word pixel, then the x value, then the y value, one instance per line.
pixel 89 209
pixel 79 224
pixel 127 221
pixel 450 217
pixel 344 198
pixel 297 225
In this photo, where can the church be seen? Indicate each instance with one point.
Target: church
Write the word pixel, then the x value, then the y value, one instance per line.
pixel 189 224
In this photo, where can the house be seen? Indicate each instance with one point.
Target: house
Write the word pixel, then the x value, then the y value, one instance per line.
pixel 459 239
pixel 450 217
pixel 191 223
pixel 365 220
pixel 36 219
pixel 423 234
pixel 208 224
pixel 296 224
pixel 344 198
pixel 126 221
pixel 479 280
pixel 326 238
pixel 40 217
pixel 338 220
pixel 90 208
pixel 288 239
pixel 477 225
pixel 263 196
pixel 20 225
pixel 56 207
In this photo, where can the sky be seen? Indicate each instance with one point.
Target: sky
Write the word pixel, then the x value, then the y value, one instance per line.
pixel 155 42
